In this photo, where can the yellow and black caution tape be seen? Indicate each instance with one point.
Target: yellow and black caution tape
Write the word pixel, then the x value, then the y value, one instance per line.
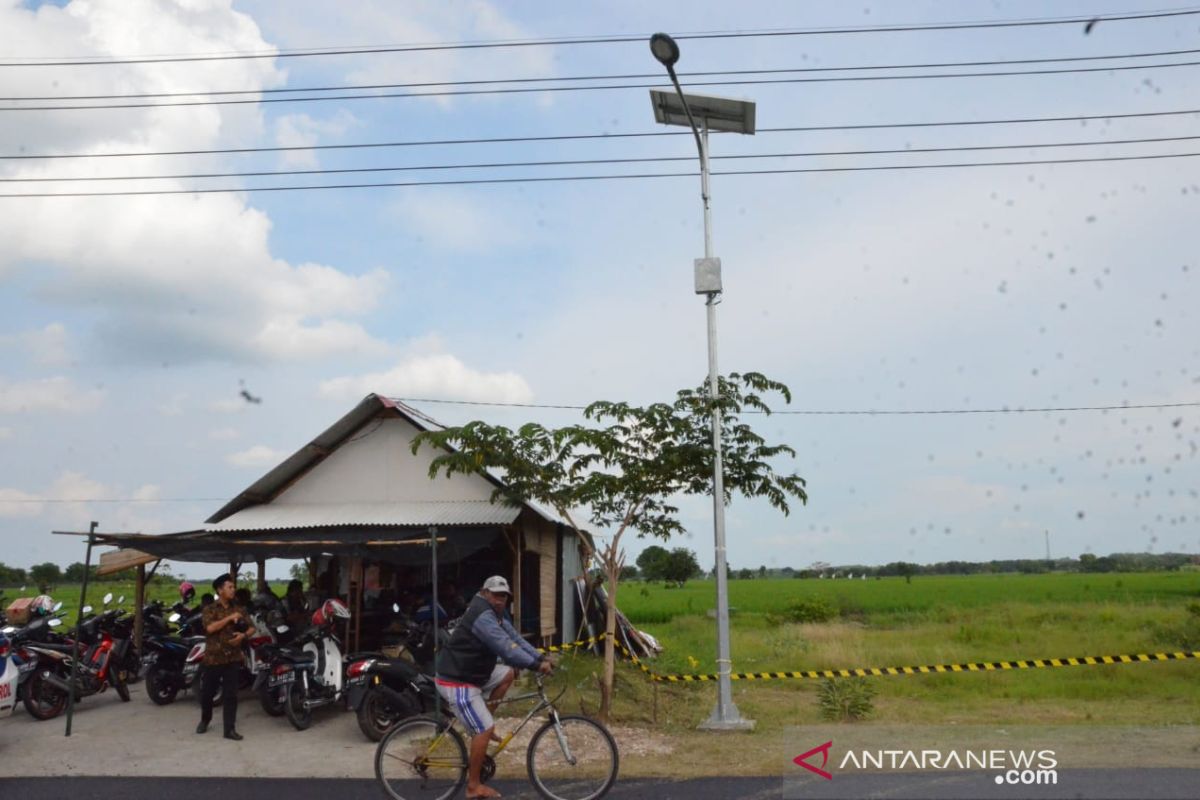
pixel 562 648
pixel 869 672
pixel 930 669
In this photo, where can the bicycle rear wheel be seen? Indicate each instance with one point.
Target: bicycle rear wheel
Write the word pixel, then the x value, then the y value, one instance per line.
pixel 575 760
pixel 420 758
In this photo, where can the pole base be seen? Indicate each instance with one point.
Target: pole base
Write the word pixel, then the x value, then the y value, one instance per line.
pixel 732 721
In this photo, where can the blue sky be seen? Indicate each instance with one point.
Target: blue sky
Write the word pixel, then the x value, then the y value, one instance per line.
pixel 126 324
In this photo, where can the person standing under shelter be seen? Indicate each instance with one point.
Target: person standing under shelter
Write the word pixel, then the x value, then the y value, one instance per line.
pixel 226 627
pixel 467 669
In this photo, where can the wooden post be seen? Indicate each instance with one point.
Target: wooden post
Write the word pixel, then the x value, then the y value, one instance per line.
pixel 139 623
pixel 262 575
pixel 518 617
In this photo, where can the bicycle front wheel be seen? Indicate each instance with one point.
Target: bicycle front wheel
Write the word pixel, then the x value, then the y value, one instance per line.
pixel 420 758
pixel 575 759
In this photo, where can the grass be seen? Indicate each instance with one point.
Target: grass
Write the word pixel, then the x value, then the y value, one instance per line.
pixel 889 622
pixel 166 591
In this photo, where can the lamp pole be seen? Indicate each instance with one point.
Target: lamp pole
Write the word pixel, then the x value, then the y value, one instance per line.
pixel 725 715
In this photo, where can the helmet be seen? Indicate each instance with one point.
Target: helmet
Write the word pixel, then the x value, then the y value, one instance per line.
pixel 330 611
pixel 41 606
pixel 187 591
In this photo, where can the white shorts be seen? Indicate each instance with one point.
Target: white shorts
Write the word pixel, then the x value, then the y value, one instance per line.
pixel 467 703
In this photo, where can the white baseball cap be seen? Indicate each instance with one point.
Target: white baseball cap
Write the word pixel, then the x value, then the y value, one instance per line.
pixel 497 583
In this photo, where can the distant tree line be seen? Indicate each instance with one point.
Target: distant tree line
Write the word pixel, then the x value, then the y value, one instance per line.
pixel 48 574
pixel 680 565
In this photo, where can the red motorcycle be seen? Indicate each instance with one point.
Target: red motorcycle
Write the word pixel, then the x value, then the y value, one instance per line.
pixel 106 639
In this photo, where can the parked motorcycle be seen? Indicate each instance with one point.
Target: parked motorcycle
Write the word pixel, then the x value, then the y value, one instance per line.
pixel 165 660
pixel 106 641
pixel 9 676
pixel 382 692
pixel 315 676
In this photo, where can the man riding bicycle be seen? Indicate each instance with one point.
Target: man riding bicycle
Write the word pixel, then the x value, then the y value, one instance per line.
pixel 467 668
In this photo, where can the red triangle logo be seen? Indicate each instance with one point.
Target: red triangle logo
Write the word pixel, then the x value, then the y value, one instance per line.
pixel 800 760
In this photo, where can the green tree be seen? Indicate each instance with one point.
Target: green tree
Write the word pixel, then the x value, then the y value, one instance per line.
pixel 762 571
pixel 680 566
pixel 745 574
pixel 12 576
pixel 625 466
pixel 74 573
pixel 629 573
pixel 45 575
pixel 652 562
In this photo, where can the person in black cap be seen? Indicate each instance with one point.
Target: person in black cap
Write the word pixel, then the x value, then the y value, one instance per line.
pixel 227 628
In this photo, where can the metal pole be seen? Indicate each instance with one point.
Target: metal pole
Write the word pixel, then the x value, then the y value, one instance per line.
pixel 725 714
pixel 87 567
pixel 433 606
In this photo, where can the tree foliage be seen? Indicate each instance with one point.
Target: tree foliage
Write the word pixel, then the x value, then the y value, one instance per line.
pixel 626 465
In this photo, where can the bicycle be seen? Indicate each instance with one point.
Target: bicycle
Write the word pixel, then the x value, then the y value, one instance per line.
pixel 570 757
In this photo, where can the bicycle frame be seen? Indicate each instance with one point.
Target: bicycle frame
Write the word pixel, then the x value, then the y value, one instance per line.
pixel 543 703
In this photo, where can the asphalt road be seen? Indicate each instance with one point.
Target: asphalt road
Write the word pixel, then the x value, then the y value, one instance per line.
pixel 1092 784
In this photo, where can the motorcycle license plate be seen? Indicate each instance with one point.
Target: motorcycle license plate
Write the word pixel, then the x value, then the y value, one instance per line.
pixel 150 659
pixel 280 680
pixel 190 669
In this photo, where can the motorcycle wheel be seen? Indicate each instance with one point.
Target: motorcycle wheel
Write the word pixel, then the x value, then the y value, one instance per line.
pixel 376 715
pixel 293 707
pixel 160 687
pixel 42 700
pixel 118 683
pixel 272 701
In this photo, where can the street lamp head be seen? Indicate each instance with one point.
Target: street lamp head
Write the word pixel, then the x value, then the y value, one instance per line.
pixel 664 49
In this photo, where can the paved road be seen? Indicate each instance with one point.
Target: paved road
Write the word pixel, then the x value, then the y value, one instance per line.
pixel 1091 784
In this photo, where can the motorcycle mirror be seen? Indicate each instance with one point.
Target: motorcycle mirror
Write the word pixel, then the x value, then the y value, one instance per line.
pixel 108 598
pixel 86 609
pixel 174 617
pixel 56 607
pixel 282 629
pixel 54 623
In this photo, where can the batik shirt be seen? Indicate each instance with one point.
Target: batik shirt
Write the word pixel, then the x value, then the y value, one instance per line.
pixel 220 648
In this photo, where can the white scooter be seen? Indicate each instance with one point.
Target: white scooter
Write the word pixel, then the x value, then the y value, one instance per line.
pixel 319 675
pixel 9 676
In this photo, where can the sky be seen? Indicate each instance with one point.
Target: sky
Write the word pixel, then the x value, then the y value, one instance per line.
pixel 129 325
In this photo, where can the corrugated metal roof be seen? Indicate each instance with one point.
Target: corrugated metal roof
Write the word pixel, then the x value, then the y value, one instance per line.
pixel 271 516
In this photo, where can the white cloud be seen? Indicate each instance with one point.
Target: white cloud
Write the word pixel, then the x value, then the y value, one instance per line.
pixel 16 503
pixel 47 394
pixel 301 130
pixel 257 456
pixel 45 346
pixel 223 434
pixel 453 220
pixel 175 278
pixel 436 376
pixel 5 433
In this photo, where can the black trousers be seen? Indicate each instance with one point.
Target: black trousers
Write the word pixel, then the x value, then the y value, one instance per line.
pixel 225 676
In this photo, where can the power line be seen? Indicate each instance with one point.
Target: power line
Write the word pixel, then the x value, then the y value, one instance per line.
pixel 572 178
pixel 865 412
pixel 617 39
pixel 601 87
pixel 575 78
pixel 593 136
pixel 595 161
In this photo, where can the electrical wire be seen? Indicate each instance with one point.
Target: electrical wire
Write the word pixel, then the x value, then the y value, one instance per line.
pixel 601 87
pixel 593 136
pixel 572 178
pixel 575 78
pixel 864 412
pixel 617 39
pixel 594 161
